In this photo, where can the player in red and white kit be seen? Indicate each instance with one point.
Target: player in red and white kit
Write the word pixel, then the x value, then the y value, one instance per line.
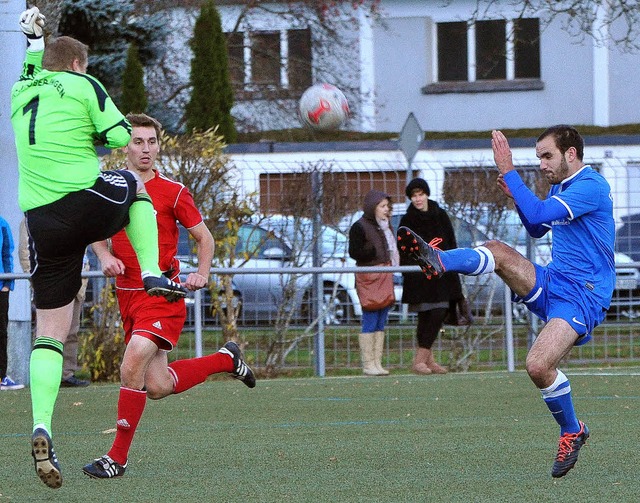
pixel 153 325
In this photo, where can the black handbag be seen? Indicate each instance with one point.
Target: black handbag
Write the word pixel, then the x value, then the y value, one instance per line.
pixel 459 313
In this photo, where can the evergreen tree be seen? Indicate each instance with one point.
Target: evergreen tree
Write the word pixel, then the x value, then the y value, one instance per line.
pixel 108 27
pixel 212 94
pixel 134 96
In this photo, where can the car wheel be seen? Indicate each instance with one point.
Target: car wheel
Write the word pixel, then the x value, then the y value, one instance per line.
pixel 520 312
pixel 338 308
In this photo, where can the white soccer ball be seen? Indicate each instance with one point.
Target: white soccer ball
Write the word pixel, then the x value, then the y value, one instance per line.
pixel 323 106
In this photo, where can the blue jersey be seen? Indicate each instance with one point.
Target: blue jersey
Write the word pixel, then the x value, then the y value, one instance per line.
pixel 580 212
pixel 583 242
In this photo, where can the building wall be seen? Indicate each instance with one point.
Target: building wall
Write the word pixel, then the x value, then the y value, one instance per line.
pixel 364 166
pixel 400 60
pixel 624 82
pixel 404 52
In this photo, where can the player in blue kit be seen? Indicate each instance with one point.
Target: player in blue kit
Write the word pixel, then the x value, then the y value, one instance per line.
pixel 572 293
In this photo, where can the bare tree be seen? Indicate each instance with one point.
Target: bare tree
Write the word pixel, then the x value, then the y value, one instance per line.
pixel 614 22
pixel 335 306
pixel 198 161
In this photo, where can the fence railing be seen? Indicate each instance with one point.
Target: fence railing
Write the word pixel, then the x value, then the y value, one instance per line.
pixel 495 341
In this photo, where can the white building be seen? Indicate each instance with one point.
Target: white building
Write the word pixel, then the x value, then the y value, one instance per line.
pixel 425 57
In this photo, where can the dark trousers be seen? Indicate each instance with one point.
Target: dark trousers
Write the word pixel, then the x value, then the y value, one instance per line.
pixel 4 323
pixel 429 324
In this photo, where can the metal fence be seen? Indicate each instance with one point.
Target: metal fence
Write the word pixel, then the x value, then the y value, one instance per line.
pixel 329 187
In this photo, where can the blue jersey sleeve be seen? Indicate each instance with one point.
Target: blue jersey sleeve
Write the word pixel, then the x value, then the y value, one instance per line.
pixel 534 230
pixel 7 253
pixel 534 210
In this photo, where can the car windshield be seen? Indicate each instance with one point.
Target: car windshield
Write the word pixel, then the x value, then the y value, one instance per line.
pixel 254 241
pixel 299 231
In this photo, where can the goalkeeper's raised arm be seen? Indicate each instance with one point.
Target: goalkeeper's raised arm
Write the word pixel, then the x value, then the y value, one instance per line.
pixel 32 25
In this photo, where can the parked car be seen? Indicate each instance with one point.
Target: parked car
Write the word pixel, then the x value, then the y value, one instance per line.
pixel 340 298
pixel 626 298
pixel 276 242
pixel 628 236
pixel 625 302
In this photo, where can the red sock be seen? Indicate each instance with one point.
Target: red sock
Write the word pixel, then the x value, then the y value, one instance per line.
pixel 130 408
pixel 188 373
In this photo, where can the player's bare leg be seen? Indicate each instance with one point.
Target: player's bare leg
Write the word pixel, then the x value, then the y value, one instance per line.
pixel 554 342
pixel 145 372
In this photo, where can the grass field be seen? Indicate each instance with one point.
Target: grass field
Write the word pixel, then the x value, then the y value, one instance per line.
pixel 472 437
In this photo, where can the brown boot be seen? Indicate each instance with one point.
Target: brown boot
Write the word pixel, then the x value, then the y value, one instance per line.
pixel 433 366
pixel 420 362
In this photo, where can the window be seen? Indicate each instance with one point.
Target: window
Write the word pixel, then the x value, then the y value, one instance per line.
pixel 299 68
pixel 270 60
pixel 265 58
pixel 527 48
pixel 235 56
pixel 452 51
pixel 490 55
pixel 490 50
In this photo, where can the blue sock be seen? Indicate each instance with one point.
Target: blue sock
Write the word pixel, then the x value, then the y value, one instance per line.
pixel 470 261
pixel 559 401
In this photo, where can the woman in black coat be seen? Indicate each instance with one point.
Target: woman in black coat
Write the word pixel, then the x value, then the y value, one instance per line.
pixel 430 298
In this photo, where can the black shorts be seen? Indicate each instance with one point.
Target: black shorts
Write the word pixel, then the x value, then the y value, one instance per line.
pixel 60 232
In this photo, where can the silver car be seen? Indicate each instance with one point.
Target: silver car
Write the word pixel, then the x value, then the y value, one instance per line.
pixel 277 242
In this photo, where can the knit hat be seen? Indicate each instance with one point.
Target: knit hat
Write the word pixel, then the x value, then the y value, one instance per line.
pixel 418 183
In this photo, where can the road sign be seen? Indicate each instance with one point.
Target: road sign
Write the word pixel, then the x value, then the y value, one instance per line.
pixel 410 137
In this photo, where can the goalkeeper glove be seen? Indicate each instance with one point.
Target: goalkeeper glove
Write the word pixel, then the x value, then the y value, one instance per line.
pixel 31 24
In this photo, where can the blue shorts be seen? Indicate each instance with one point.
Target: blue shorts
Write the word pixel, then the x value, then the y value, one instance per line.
pixel 553 296
pixel 374 321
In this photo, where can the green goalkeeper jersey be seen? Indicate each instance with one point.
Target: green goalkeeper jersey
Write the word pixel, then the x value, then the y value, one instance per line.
pixel 56 118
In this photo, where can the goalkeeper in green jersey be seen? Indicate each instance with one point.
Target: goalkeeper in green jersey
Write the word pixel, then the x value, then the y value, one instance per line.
pixel 58 112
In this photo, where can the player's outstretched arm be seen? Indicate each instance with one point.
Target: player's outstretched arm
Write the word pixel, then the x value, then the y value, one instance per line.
pixel 206 247
pixel 116 136
pixel 113 130
pixel 535 210
pixel 534 230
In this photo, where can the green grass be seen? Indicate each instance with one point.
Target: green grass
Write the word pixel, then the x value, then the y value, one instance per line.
pixel 472 437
